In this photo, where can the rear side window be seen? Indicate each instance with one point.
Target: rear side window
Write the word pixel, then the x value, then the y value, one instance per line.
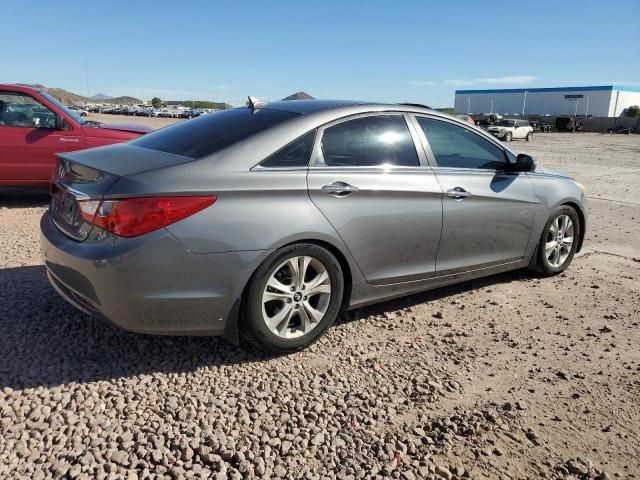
pixel 370 142
pixel 296 154
pixel 458 147
pixel 211 133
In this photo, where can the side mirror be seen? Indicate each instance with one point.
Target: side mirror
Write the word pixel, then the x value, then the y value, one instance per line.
pixel 59 122
pixel 525 163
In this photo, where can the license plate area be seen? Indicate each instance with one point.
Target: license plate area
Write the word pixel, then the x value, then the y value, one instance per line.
pixel 66 214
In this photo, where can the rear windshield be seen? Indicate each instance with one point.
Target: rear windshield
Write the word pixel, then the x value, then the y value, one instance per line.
pixel 211 133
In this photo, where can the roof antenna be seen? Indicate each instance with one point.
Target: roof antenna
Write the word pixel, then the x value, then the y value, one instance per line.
pixel 255 103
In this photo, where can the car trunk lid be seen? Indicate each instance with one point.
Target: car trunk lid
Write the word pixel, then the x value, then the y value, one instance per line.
pixel 89 174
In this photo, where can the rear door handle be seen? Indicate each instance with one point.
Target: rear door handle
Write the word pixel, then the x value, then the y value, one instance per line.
pixel 458 193
pixel 339 189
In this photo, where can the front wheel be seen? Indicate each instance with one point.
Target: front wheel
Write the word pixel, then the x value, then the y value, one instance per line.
pixel 529 136
pixel 508 137
pixel 293 297
pixel 559 241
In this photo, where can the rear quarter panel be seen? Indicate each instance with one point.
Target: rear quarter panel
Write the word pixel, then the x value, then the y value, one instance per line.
pixel 255 210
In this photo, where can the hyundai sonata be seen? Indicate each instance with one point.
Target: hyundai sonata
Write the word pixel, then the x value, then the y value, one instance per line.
pixel 263 223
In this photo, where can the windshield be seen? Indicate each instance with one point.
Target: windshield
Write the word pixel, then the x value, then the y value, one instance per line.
pixel 505 123
pixel 66 110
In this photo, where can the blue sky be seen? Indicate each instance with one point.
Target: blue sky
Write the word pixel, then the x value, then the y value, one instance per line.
pixel 418 51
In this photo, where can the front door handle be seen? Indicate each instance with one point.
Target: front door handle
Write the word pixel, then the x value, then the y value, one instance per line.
pixel 339 189
pixel 458 193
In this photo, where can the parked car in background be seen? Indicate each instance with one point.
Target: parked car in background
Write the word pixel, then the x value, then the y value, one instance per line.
pixel 80 111
pixel 166 113
pixel 34 126
pixel 466 118
pixel 509 129
pixel 266 221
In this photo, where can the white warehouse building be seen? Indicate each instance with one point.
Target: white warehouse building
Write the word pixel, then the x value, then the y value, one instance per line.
pixel 596 101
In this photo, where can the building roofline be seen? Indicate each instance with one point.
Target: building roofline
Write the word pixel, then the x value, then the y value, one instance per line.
pixel 590 88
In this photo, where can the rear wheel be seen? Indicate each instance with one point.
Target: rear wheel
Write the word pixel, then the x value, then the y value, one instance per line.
pixel 559 241
pixel 508 137
pixel 529 136
pixel 293 297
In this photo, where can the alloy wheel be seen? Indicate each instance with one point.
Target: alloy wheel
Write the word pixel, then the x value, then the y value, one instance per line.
pixel 296 297
pixel 559 241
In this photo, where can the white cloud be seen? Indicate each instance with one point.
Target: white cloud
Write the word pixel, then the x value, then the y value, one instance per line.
pixel 513 80
pixel 419 83
pixel 461 82
pixel 458 83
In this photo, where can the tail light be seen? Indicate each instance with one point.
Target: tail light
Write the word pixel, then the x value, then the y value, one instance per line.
pixel 131 217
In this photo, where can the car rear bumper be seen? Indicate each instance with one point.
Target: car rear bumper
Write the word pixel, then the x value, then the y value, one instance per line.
pixel 149 284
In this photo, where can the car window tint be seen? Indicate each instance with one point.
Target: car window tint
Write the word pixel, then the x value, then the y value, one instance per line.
pixel 368 142
pixel 211 133
pixel 458 147
pixel 20 110
pixel 296 154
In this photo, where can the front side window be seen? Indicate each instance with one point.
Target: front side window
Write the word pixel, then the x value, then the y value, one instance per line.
pixel 64 108
pixel 20 110
pixel 296 154
pixel 458 147
pixel 381 140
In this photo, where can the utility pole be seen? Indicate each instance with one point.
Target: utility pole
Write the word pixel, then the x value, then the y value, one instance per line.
pixel 524 102
pixel 86 76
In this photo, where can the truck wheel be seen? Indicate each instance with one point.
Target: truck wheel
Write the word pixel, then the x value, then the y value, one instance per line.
pixel 507 137
pixel 529 136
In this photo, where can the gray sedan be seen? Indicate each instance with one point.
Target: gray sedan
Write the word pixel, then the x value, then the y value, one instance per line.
pixel 263 223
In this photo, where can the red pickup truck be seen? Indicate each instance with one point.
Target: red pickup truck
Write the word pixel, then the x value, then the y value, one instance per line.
pixel 34 126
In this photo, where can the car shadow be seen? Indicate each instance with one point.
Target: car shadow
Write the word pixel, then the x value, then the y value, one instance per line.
pixel 24 197
pixel 46 342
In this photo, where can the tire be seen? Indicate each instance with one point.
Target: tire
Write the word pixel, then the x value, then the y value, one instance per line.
pixel 288 302
pixel 547 263
pixel 529 136
pixel 508 137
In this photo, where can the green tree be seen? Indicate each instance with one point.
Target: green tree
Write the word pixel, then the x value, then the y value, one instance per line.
pixel 633 111
pixel 156 102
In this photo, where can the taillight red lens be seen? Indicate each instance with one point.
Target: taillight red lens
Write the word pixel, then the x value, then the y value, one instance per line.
pixel 131 217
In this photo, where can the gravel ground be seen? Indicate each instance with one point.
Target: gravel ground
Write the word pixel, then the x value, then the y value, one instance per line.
pixel 512 376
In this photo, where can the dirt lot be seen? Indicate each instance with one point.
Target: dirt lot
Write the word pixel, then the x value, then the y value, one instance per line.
pixel 512 376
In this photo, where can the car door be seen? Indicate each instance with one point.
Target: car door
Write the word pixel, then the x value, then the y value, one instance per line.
pixel 29 139
pixel 380 195
pixel 487 208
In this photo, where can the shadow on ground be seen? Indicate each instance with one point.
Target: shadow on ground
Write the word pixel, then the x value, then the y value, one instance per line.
pixel 46 342
pixel 24 197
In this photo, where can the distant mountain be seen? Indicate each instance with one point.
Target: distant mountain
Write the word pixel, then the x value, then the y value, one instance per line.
pixel 299 96
pixel 123 100
pixel 70 98
pixel 100 96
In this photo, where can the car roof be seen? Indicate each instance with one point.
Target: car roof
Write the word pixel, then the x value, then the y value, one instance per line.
pixel 19 88
pixel 309 106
